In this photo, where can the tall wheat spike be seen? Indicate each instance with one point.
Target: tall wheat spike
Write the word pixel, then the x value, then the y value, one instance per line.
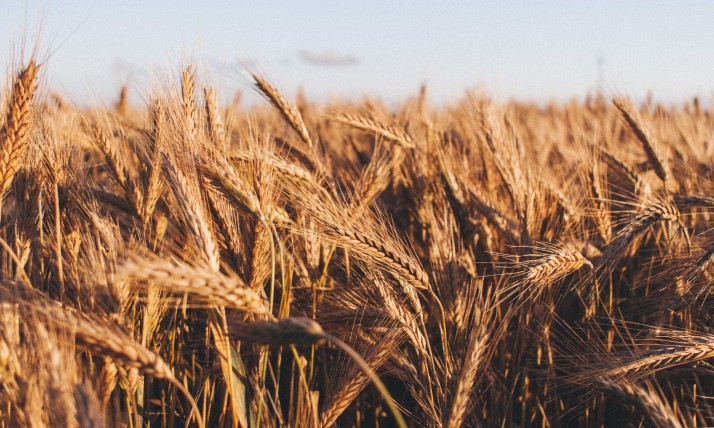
pixel 18 125
pixel 655 158
pixel 291 114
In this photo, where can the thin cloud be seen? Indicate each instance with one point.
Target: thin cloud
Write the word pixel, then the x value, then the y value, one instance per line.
pixel 327 59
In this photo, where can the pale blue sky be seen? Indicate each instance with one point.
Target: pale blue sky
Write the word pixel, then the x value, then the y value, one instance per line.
pixel 533 50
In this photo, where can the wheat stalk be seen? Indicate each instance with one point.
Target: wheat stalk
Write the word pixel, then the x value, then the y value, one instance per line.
pixel 121 106
pixel 470 369
pixel 555 266
pixel 112 158
pixel 286 331
pixel 602 212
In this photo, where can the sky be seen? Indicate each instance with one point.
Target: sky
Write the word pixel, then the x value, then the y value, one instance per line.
pixel 530 50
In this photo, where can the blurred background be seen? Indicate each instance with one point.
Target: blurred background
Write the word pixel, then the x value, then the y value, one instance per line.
pixel 530 50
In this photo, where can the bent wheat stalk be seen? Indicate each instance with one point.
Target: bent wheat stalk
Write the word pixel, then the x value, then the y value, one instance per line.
pixel 306 331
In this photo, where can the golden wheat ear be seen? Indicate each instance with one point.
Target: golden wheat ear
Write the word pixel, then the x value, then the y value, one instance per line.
pixel 652 150
pixel 289 112
pixel 18 125
pixel 367 124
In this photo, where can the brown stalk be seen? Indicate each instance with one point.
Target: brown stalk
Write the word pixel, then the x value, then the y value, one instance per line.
pixel 602 213
pixel 467 378
pixel 102 338
pixel 555 266
pixel 122 105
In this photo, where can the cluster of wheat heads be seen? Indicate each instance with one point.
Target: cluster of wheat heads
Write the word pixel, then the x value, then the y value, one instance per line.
pixel 301 265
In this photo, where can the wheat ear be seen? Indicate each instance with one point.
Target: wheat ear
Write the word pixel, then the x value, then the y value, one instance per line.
pixel 291 114
pixel 366 124
pixel 18 125
pixel 205 283
pixel 655 159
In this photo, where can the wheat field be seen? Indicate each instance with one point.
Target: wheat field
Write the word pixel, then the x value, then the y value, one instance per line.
pixel 177 262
